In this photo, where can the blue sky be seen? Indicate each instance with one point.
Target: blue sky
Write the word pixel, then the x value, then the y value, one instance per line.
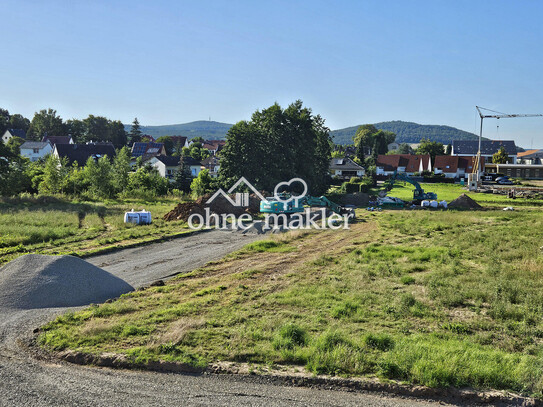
pixel 352 62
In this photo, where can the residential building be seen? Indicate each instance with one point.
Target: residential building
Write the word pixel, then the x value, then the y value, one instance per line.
pixel 393 146
pixel 524 171
pixel 167 166
pixel 148 150
pixel 180 141
pixel 58 139
pixel 408 163
pixel 10 133
pixel 530 157
pixel 345 168
pixel 214 146
pixel 469 148
pixel 211 163
pixel 34 150
pixel 454 166
pixel 80 153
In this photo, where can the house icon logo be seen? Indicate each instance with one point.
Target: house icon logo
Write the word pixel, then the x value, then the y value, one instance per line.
pixel 241 198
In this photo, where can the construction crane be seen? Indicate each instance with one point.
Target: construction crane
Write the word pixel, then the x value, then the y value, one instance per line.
pixel 497 115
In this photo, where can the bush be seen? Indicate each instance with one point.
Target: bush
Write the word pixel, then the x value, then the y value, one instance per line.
pixel 289 336
pixel 382 342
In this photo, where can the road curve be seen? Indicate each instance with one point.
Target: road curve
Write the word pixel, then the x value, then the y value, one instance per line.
pixel 29 381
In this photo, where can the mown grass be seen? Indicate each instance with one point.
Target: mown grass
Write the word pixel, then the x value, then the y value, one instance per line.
pixel 431 298
pixel 449 192
pixel 55 225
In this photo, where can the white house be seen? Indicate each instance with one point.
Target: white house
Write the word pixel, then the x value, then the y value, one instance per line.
pixel 212 164
pixel 167 166
pixel 345 168
pixel 35 150
pixel 454 166
pixel 408 163
pixel 10 133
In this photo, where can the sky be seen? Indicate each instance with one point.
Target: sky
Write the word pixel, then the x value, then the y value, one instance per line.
pixel 352 62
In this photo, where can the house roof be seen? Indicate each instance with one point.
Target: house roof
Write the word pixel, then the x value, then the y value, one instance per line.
pixel 411 162
pixel 30 145
pixel 57 139
pixel 344 164
pixel 17 133
pixel 178 139
pixel 149 149
pixel 191 161
pixel 211 160
pixel 451 163
pixel 488 147
pixel 527 153
pixel 82 152
pixel 168 161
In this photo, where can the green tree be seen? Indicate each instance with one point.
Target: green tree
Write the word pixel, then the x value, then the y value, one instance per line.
pixel 52 175
pixel 14 144
pixel 277 145
pixel 135 133
pixel 500 157
pixel 371 141
pixel 77 129
pixel 201 184
pixel 46 122
pixel 183 177
pixel 121 170
pixel 4 121
pixel 448 150
pixel 431 148
pixel 13 177
pixel 96 128
pixel 17 121
pixel 117 134
pixel 168 144
pixel 98 177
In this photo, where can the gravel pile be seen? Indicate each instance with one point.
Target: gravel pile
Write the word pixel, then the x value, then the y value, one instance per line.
pixel 38 281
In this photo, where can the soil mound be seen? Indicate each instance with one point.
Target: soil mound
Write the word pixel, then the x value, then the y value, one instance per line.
pixel 38 281
pixel 220 205
pixel 464 202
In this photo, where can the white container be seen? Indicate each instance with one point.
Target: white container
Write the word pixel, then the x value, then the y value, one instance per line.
pixel 443 204
pixel 425 204
pixel 433 204
pixel 139 218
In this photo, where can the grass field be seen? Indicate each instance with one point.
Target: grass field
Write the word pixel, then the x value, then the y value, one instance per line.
pixel 433 298
pixel 50 225
pixel 448 192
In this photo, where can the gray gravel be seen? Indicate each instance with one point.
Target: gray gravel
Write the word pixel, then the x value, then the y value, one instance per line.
pixel 38 281
pixel 28 381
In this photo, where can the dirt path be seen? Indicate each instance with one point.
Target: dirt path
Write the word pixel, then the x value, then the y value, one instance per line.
pixel 28 381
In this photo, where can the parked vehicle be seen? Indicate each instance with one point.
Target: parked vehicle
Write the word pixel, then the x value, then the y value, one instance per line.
pixel 504 181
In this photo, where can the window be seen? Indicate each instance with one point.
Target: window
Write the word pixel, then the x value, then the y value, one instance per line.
pixel 36 150
pixel 518 172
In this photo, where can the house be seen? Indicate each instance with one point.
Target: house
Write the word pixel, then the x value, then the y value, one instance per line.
pixel 180 141
pixel 214 146
pixel 393 146
pixel 408 163
pixel 58 139
pixel 211 163
pixel 469 148
pixel 34 150
pixel 80 153
pixel 10 133
pixel 530 157
pixel 454 166
pixel 148 150
pixel 524 171
pixel 345 168
pixel 167 166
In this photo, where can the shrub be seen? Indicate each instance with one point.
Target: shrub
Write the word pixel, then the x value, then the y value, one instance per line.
pixel 289 336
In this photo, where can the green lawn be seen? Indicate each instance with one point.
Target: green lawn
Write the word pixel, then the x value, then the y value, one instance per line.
pixel 433 298
pixel 449 192
pixel 52 225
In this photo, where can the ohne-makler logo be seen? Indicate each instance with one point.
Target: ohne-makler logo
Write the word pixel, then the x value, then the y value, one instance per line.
pixel 284 211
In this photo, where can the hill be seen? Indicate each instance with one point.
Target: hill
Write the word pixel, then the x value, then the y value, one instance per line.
pixel 202 128
pixel 408 132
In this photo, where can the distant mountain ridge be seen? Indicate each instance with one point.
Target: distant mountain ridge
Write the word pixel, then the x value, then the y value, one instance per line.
pixel 201 128
pixel 406 132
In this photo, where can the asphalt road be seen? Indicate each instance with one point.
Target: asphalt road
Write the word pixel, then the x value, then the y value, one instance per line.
pixel 29 381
